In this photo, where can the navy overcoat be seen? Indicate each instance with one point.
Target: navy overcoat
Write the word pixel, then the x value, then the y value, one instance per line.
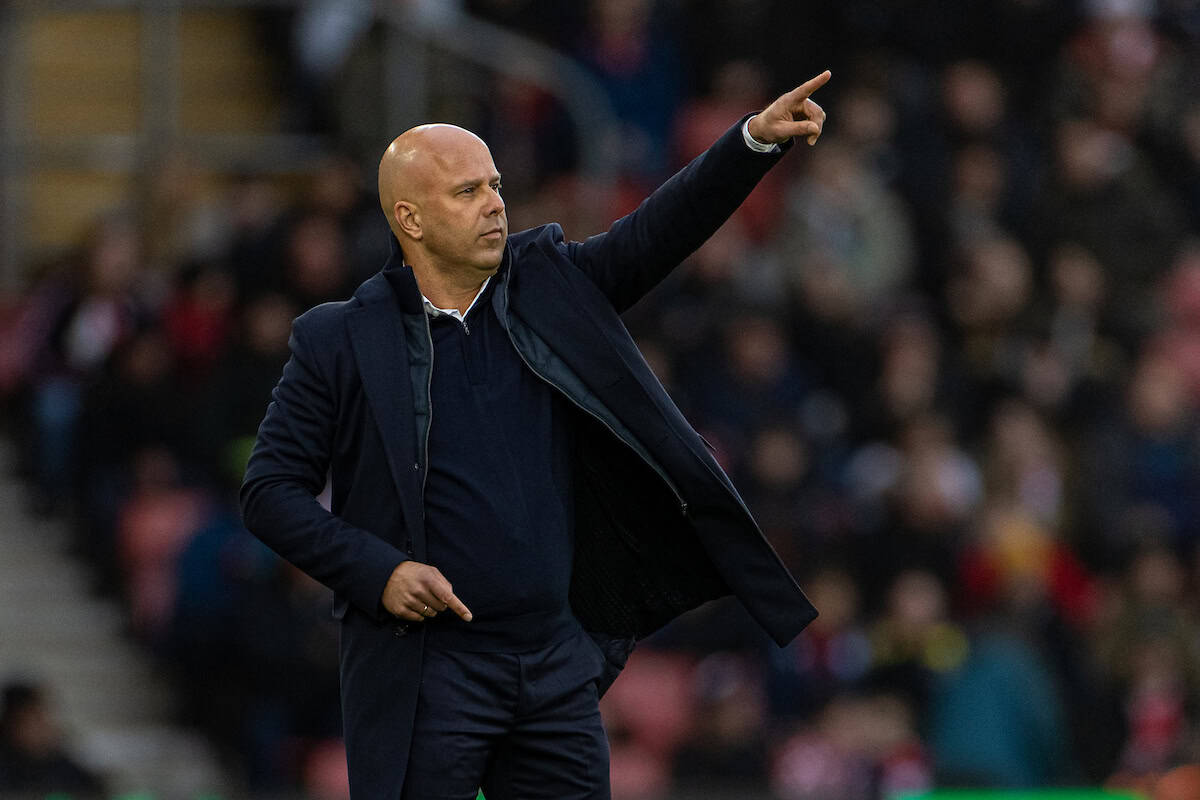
pixel 659 528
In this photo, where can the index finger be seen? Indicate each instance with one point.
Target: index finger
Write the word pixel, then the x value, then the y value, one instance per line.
pixel 809 86
pixel 454 604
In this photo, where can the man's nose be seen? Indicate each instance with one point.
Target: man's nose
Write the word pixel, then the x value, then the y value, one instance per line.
pixel 496 204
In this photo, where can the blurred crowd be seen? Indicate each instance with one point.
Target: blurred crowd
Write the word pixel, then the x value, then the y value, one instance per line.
pixel 951 357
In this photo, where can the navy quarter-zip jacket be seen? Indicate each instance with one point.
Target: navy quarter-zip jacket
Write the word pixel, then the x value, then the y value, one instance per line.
pixel 659 528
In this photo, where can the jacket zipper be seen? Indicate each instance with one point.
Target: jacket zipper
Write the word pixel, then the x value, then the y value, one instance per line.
pixel 683 506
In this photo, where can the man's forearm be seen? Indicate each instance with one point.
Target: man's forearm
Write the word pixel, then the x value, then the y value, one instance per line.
pixel 640 249
pixel 351 561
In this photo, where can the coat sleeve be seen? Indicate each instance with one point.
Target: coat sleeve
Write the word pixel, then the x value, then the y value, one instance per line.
pixel 286 471
pixel 641 248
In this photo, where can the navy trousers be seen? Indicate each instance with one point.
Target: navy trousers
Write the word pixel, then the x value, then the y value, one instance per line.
pixel 521 726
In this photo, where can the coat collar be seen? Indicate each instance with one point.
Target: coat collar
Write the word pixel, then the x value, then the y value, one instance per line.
pixel 396 281
pixel 384 327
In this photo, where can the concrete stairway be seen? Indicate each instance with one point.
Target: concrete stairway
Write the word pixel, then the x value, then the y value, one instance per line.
pixel 105 690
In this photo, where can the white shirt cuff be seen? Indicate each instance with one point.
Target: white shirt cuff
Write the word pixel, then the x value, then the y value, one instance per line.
pixel 755 144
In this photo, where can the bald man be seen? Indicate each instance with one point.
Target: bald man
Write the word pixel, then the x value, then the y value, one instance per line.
pixel 515 498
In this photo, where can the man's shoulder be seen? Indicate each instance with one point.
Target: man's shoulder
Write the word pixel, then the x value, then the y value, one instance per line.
pixel 327 313
pixel 543 237
pixel 320 323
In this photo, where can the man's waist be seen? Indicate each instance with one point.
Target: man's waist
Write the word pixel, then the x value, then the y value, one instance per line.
pixel 515 633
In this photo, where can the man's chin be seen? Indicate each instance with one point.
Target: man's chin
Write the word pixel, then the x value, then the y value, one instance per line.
pixel 493 257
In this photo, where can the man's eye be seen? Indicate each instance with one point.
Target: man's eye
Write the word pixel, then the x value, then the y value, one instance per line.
pixel 496 187
pixel 468 190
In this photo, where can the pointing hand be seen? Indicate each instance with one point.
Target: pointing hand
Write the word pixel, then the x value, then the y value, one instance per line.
pixel 792 114
pixel 416 591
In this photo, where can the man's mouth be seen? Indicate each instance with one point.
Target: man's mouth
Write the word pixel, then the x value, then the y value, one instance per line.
pixel 494 233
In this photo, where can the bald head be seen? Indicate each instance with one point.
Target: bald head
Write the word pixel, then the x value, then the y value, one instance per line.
pixel 440 191
pixel 413 162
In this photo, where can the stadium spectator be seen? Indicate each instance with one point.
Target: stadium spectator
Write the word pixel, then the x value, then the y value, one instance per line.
pixel 33 760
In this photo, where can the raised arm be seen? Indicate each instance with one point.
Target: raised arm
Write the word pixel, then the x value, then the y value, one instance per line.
pixel 641 248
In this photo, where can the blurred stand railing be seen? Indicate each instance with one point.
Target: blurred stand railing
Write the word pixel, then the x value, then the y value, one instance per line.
pixel 414 31
pixel 506 53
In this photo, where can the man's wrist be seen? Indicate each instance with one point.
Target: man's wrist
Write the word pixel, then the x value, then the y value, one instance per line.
pixel 755 144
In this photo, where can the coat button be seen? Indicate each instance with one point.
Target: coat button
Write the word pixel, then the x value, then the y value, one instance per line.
pixel 401 629
pixel 416 467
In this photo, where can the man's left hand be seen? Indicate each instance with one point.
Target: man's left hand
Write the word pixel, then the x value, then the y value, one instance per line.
pixel 793 114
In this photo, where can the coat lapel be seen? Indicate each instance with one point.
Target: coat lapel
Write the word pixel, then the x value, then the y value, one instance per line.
pixel 377 334
pixel 539 303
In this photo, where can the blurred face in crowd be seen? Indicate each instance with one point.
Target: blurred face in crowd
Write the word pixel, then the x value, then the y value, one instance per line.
pixel 316 250
pixel 979 178
pixel 620 19
pixel 868 118
pixel 757 349
pixel 1077 278
pixel 994 287
pixel 916 601
pixel 114 255
pixel 973 96
pixel 838 596
pixel 335 187
pixel 441 192
pixel 1089 156
pixel 779 458
pixel 268 322
pixel 911 361
pixel 1158 400
pixel 1157 578
pixel 29 727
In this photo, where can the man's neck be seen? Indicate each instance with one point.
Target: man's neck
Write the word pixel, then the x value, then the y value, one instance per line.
pixel 449 290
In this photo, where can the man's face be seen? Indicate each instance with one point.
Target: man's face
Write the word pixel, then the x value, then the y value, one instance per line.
pixel 463 221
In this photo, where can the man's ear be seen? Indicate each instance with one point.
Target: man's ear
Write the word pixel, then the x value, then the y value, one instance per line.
pixel 406 216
